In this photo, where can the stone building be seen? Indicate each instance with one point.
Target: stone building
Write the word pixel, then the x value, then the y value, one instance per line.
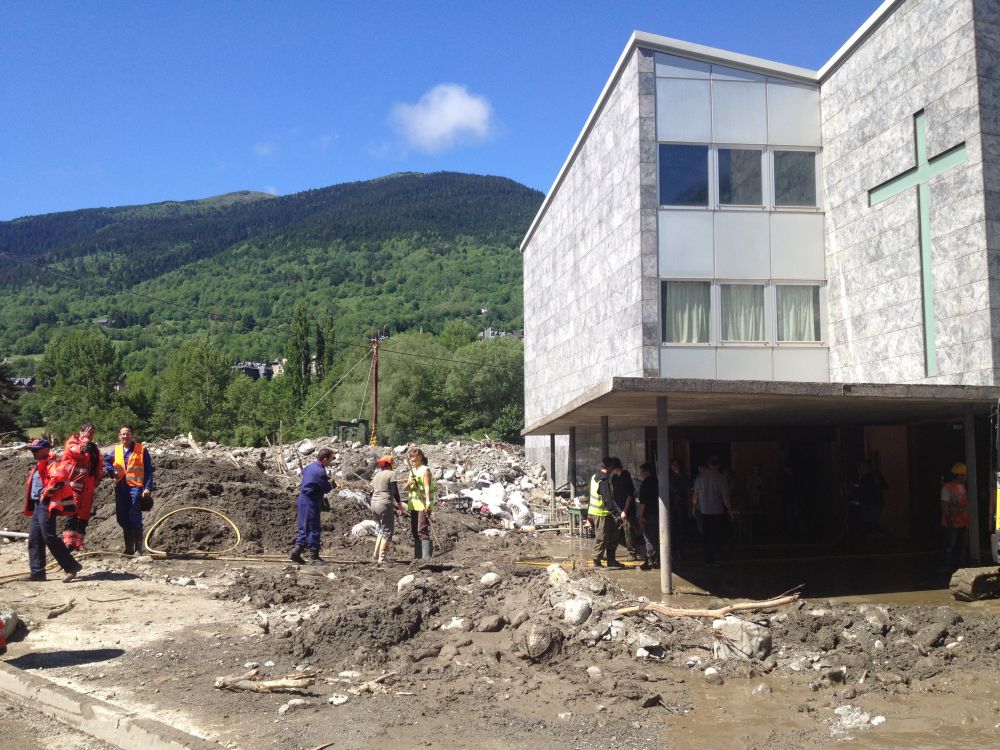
pixel 793 269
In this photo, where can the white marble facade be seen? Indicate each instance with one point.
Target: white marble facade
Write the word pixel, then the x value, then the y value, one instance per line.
pixel 605 240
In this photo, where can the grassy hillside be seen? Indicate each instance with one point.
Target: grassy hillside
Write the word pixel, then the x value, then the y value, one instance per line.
pixel 407 251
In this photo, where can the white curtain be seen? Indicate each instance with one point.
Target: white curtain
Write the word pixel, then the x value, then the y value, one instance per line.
pixel 685 312
pixel 798 313
pixel 742 312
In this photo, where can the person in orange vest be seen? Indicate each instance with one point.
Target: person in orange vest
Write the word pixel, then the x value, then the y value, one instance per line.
pixel 955 517
pixel 47 494
pixel 129 463
pixel 83 458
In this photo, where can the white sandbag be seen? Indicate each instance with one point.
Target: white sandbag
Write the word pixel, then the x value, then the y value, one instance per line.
pixel 364 528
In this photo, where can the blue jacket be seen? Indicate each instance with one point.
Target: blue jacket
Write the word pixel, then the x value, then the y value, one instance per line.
pixel 315 482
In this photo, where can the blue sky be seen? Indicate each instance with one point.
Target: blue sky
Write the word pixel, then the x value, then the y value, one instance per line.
pixel 111 103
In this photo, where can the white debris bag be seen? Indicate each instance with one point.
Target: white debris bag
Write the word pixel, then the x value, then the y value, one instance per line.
pixel 365 528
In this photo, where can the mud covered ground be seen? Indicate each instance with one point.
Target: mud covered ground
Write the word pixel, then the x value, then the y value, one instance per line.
pixel 479 646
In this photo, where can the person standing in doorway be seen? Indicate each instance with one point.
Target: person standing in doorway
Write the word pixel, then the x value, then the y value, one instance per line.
pixel 420 503
pixel 955 518
pixel 649 515
pixel 47 495
pixel 624 489
pixel 680 502
pixel 603 514
pixel 129 463
pixel 712 502
pixel 316 485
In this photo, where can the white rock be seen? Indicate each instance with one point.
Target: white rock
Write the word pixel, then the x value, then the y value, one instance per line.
pixel 449 475
pixel 184 581
pixel 306 447
pixel 8 620
pixel 332 576
pixel 364 528
pixel 489 580
pixel 641 653
pixel 400 449
pixel 338 699
pixel 739 638
pixel 350 674
pixel 557 576
pixel 566 715
pixel 645 641
pixel 356 444
pixel 457 623
pixel 577 610
pixel 709 671
pixel 594 673
pixel 269 663
pixel 251 665
pixel 294 703
pixel 405 581
pixel 878 721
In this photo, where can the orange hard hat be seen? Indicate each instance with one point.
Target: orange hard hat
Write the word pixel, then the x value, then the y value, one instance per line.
pixel 384 461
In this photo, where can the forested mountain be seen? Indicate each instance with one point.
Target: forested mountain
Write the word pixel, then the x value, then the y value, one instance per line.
pixel 407 252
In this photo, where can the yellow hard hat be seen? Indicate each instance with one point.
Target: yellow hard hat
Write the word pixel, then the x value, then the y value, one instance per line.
pixel 959 468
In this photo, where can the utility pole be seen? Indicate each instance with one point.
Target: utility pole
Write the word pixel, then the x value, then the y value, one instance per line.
pixel 375 340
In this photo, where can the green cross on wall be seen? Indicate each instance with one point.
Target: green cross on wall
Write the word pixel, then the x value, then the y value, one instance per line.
pixel 920 176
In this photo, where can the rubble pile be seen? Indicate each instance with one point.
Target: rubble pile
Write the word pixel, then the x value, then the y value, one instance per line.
pixel 256 489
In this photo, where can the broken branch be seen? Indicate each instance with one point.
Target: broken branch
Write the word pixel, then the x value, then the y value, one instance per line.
pixel 60 610
pixel 251 683
pixel 666 611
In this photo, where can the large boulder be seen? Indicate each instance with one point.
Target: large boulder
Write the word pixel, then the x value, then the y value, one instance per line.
pixel 739 638
pixel 537 642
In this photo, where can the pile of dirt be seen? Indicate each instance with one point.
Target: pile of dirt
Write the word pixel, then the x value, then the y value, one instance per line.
pixel 260 502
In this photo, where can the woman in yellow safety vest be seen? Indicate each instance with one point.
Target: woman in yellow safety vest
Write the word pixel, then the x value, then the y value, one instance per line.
pixel 420 501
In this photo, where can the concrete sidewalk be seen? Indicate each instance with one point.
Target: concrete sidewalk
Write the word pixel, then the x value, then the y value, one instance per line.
pixel 96 718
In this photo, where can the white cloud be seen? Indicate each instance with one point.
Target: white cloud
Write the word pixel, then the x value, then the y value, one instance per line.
pixel 263 149
pixel 445 116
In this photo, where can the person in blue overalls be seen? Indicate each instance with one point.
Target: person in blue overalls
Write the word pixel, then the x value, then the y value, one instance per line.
pixel 129 463
pixel 316 485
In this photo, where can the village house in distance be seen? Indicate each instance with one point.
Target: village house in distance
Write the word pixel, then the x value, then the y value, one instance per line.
pixel 794 270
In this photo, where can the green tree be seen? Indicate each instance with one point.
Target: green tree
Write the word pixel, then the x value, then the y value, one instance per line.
pixel 298 367
pixel 8 402
pixel 78 376
pixel 457 333
pixel 509 423
pixel 488 377
pixel 193 392
pixel 326 338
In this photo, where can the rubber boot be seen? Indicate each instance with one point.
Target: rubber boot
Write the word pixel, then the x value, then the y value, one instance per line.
pixel 315 559
pixel 426 548
pixel 597 562
pixel 129 541
pixel 417 550
pixel 137 540
pixel 379 541
pixel 296 555
pixel 383 551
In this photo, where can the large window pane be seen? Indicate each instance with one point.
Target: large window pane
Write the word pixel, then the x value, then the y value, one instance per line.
pixel 740 182
pixel 683 175
pixel 742 312
pixel 794 178
pixel 685 311
pixel 798 313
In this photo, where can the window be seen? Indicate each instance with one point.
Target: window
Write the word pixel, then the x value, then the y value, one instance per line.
pixel 798 313
pixel 740 182
pixel 743 312
pixel 683 175
pixel 794 178
pixel 685 312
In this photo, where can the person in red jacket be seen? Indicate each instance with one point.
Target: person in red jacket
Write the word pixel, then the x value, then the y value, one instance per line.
pixel 47 494
pixel 85 462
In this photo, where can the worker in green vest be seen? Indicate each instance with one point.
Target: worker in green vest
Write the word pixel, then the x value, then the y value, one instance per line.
pixel 603 515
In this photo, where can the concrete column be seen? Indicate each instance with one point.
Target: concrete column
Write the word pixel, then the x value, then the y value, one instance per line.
pixel 605 448
pixel 663 475
pixel 972 485
pixel 571 465
pixel 552 476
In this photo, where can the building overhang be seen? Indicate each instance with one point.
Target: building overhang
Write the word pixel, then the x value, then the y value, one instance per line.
pixel 631 403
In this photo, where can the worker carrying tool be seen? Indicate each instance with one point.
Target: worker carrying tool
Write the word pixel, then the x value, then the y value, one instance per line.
pixel 132 468
pixel 48 493
pixel 316 485
pixel 386 504
pixel 420 502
